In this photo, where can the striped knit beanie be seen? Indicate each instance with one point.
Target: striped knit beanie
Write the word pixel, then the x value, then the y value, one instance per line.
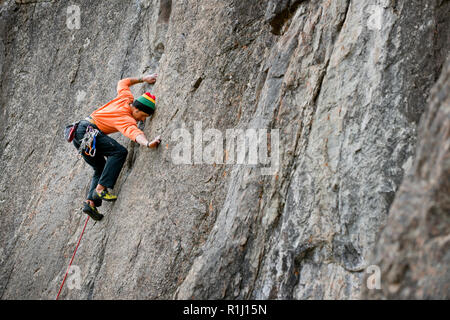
pixel 145 103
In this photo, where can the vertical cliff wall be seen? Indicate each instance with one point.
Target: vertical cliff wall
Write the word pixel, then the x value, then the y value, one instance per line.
pixel 343 83
pixel 414 249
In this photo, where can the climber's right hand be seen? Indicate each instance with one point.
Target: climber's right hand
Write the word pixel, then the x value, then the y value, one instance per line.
pixel 155 143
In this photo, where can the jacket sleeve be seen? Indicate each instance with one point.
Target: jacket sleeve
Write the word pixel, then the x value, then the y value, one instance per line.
pixel 123 89
pixel 128 129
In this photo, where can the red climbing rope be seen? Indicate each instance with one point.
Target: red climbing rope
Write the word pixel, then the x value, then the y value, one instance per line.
pixel 73 256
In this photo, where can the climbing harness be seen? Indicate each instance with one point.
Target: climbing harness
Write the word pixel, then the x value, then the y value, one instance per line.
pixel 71 260
pixel 87 145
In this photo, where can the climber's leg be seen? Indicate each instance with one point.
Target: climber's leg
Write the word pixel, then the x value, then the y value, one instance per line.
pixel 97 163
pixel 116 155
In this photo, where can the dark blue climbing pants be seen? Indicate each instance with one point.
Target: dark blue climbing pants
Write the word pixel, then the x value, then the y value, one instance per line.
pixel 106 171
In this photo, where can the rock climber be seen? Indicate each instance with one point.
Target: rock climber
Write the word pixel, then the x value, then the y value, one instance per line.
pixel 118 115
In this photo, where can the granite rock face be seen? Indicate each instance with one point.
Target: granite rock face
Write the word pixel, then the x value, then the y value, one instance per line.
pixel 337 88
pixel 414 249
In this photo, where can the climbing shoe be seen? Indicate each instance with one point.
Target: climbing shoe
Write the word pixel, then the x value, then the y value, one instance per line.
pixel 92 212
pixel 104 195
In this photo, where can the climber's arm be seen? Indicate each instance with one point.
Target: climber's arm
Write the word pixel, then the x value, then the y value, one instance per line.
pixel 142 140
pixel 123 86
pixel 151 78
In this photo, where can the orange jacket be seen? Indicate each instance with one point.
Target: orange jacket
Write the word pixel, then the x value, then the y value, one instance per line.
pixel 116 114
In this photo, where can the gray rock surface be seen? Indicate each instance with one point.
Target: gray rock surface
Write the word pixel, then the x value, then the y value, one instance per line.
pixel 414 249
pixel 344 83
